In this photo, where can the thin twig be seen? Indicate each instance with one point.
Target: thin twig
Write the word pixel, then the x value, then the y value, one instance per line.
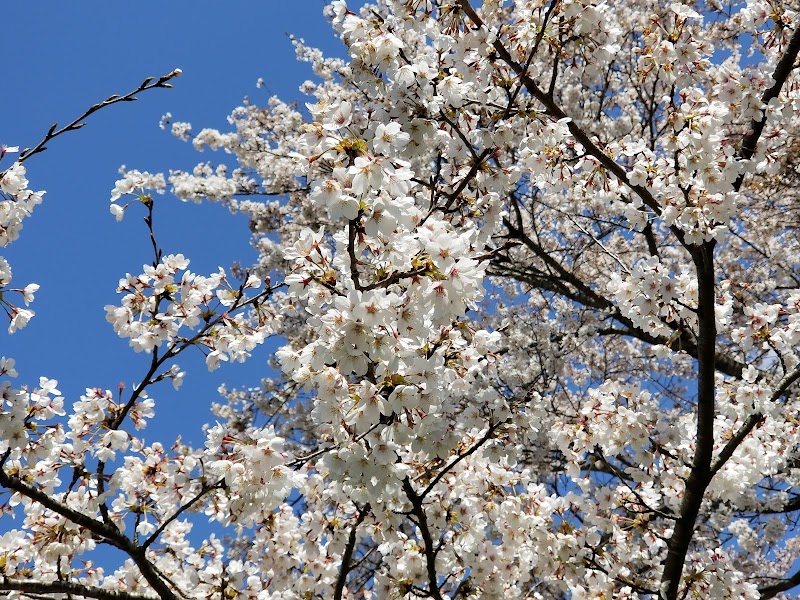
pixel 54 132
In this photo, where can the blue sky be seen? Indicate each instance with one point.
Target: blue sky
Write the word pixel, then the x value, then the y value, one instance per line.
pixel 61 57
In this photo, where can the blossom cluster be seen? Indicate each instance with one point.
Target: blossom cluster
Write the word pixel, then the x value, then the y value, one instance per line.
pixel 169 305
pixel 16 204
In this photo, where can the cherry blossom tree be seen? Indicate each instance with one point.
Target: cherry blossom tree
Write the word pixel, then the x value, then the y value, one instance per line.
pixel 532 267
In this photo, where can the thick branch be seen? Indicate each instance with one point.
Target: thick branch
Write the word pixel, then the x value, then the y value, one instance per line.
pixel 589 297
pixel 751 422
pixel 105 531
pixel 67 587
pixel 351 250
pixel 784 586
pixel 779 76
pixel 344 568
pixel 418 510
pixel 700 475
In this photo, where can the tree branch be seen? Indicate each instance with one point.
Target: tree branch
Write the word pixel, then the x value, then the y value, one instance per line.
pixel 344 569
pixel 68 587
pixel 751 422
pixel 489 433
pixel 418 510
pixel 54 132
pixel 700 474
pixel 588 297
pixel 105 531
pixel 205 489
pixel 779 76
pixel 785 585
pixel 555 111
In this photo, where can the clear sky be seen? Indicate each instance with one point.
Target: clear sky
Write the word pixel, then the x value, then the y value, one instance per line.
pixel 61 57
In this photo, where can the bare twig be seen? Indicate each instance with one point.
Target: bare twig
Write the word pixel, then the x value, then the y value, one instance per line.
pixel 54 131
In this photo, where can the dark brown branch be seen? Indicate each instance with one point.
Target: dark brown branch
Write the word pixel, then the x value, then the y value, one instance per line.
pixel 540 35
pixel 556 59
pixel 476 165
pixel 779 76
pixel 460 135
pixel 418 510
pixel 486 437
pixel 784 384
pixel 556 267
pixel 751 422
pixel 107 532
pixel 54 132
pixel 652 247
pixel 784 586
pixel 67 587
pixel 588 297
pixel 205 489
pixel 700 474
pixel 729 448
pixel 344 569
pixel 351 250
